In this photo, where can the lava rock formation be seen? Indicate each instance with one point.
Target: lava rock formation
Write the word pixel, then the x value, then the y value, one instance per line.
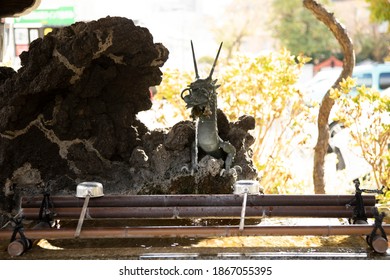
pixel 70 115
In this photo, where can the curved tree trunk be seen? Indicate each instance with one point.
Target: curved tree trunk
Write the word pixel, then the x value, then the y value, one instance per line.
pixel 327 103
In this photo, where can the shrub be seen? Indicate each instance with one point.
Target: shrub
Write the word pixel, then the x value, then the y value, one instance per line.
pixel 367 116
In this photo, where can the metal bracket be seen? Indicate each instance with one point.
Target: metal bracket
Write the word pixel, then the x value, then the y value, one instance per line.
pixel 359 212
pixel 378 242
pixel 20 245
pixel 46 212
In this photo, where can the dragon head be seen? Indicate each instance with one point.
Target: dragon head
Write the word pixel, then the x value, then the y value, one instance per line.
pixel 200 94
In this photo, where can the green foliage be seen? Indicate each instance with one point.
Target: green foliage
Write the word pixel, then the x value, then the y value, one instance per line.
pixel 300 32
pixel 371 45
pixel 380 10
pixel 264 87
pixel 374 45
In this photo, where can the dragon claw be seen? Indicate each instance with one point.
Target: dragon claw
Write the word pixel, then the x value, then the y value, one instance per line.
pixel 185 169
pixel 231 171
pixel 237 168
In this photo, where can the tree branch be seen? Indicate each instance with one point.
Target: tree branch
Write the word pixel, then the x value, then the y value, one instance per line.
pixel 327 103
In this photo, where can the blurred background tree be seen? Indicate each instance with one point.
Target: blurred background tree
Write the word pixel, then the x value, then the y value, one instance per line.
pixel 372 39
pixel 247 25
pixel 380 10
pixel 300 32
pixel 371 45
pixel 238 21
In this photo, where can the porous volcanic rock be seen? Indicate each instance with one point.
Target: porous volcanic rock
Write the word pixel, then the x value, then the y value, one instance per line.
pixel 165 159
pixel 70 115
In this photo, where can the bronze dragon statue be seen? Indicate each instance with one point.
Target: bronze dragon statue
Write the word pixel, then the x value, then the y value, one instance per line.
pixel 201 97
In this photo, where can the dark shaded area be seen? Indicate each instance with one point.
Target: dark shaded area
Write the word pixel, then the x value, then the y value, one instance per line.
pixel 12 7
pixel 70 110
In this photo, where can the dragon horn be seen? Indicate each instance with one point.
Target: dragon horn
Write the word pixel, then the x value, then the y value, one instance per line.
pixel 215 61
pixel 193 57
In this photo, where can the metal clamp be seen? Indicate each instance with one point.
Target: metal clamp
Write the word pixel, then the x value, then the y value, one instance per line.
pixel 359 213
pixel 46 213
pixel 378 242
pixel 20 245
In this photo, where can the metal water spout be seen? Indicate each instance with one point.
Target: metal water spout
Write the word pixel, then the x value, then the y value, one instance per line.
pixel 244 187
pixel 86 190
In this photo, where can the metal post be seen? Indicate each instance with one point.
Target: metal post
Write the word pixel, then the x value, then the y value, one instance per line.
pixel 242 218
pixel 82 216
